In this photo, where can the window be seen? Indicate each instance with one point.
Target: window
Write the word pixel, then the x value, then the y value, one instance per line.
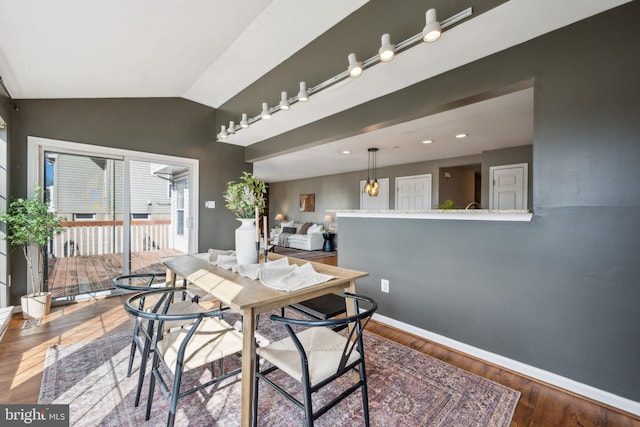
pixel 84 216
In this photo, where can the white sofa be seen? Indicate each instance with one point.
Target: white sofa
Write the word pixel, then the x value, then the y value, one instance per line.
pixel 312 241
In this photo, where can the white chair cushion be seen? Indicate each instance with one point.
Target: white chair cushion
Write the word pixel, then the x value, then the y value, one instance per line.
pixel 323 347
pixel 213 340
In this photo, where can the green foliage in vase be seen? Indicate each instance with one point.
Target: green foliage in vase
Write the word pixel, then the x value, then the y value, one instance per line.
pixel 30 225
pixel 243 197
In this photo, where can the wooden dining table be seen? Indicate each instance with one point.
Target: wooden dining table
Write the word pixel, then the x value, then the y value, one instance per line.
pixel 251 298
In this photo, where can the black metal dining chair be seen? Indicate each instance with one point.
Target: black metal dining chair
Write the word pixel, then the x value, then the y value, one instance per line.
pixel 206 339
pixel 143 333
pixel 316 355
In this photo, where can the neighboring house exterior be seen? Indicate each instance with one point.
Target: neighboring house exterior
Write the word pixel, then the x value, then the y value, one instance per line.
pixel 89 193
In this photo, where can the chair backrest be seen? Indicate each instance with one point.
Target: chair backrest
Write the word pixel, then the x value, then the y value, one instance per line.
pixel 139 281
pixel 154 307
pixel 356 324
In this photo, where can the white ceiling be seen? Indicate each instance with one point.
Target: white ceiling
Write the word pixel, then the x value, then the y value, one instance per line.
pixel 198 50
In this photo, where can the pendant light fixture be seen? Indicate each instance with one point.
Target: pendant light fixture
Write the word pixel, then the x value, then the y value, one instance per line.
pixel 371 186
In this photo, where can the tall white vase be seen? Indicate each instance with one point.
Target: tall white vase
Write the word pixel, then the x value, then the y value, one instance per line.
pixel 246 242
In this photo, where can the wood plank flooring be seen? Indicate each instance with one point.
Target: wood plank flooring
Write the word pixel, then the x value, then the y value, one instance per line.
pixel 22 352
pixel 81 274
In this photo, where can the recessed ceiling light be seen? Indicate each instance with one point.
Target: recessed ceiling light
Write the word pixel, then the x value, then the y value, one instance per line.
pixel 461 135
pixel 427 141
pixel 346 152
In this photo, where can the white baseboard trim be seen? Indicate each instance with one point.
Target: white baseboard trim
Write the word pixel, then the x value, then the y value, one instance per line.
pixel 528 370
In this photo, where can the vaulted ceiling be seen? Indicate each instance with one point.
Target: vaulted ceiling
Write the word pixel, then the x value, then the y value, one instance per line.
pixel 233 56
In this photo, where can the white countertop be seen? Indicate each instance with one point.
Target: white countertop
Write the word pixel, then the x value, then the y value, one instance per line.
pixel 447 214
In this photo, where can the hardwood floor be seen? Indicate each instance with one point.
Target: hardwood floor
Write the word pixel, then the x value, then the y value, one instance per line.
pixel 22 352
pixel 74 275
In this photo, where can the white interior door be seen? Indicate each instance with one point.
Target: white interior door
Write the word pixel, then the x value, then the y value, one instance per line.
pixel 379 202
pixel 508 189
pixel 413 192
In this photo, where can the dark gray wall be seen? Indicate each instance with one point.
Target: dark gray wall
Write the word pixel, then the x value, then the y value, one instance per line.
pixel 168 126
pixel 559 293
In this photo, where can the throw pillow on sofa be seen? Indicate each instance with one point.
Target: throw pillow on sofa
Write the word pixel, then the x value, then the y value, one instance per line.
pixel 305 227
pixel 315 228
pixel 288 224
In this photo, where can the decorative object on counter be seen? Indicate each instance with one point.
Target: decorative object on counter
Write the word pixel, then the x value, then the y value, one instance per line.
pixel 447 204
pixel 30 225
pixel 371 187
pixel 246 199
pixel 307 202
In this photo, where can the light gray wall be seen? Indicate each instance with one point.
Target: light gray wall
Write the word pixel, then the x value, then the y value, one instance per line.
pixel 167 126
pixel 559 293
pixel 341 191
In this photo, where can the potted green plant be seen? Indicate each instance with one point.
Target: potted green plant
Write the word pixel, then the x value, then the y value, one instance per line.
pixel 243 197
pixel 246 199
pixel 30 225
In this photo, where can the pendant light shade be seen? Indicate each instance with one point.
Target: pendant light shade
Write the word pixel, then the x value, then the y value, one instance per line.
pixel 371 186
pixel 244 123
pixel 387 50
pixel 432 30
pixel 223 132
pixel 303 95
pixel 355 66
pixel 232 128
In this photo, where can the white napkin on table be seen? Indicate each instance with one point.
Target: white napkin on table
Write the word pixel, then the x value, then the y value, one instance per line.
pixel 215 253
pixel 292 279
pixel 252 270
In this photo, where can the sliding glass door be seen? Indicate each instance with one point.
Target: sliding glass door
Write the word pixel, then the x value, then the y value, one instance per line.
pixel 123 214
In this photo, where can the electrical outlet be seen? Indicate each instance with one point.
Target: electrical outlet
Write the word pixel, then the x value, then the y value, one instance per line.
pixel 210 204
pixel 384 285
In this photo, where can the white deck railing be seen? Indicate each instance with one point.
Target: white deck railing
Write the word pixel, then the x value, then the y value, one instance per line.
pixel 86 238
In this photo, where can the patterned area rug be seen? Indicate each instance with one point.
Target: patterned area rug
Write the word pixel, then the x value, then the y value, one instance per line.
pixel 406 388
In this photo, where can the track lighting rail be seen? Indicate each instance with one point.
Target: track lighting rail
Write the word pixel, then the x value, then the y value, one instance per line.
pixel 399 47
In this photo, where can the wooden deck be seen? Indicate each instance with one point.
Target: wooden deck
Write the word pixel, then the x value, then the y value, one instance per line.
pixel 75 275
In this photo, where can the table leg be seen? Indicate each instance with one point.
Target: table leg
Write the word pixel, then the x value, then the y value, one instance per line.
pixel 351 309
pixel 171 278
pixel 248 357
